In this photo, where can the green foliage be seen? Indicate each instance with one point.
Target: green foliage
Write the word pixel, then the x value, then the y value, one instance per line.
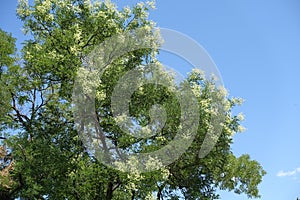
pixel 7 49
pixel 7 59
pixel 50 161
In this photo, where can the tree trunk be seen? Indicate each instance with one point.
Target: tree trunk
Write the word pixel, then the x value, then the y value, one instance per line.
pixel 109 192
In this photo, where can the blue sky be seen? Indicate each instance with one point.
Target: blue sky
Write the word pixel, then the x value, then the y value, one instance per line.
pixel 256 46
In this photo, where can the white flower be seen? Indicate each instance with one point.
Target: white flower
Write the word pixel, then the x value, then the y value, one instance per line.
pixel 237 101
pixel 140 4
pixel 100 95
pixel 241 129
pixel 126 10
pixel 223 91
pixel 240 117
pixel 150 4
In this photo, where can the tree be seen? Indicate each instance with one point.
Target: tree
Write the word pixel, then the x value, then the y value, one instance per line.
pixel 7 59
pixel 49 159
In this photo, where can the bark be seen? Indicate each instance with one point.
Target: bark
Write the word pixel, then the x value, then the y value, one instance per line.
pixel 109 191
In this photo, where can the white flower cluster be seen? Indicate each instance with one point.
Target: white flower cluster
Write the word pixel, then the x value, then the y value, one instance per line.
pixel 241 117
pixel 89 80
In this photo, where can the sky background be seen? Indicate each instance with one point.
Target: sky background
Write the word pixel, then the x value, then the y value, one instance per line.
pixel 256 46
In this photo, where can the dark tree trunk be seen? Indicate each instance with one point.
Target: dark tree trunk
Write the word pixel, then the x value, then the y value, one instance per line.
pixel 109 192
pixel 133 195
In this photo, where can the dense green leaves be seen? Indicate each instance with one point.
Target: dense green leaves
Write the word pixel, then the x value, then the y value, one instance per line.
pixel 43 156
pixel 7 49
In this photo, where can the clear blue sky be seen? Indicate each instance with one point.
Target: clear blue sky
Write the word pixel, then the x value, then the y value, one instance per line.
pixel 256 46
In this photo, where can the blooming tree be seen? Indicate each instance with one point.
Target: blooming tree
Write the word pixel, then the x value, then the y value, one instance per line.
pixel 44 157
